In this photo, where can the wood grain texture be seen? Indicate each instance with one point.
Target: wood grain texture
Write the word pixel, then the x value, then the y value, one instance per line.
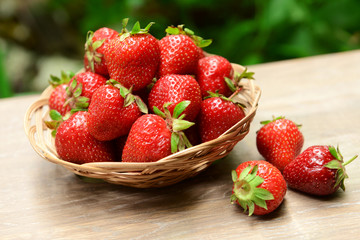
pixel 41 200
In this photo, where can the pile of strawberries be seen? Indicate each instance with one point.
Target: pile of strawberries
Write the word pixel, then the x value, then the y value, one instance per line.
pixel 260 186
pixel 141 99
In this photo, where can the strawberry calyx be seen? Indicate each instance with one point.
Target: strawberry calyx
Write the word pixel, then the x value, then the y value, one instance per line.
pixel 129 98
pixel 229 99
pixel 74 98
pixel 234 84
pixel 247 192
pixel 64 78
pixel 265 122
pixel 176 124
pixel 273 120
pixel 339 165
pixel 125 33
pixel 56 120
pixel 90 50
pixel 199 41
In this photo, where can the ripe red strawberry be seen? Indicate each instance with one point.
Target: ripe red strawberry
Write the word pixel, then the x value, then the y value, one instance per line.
pixel 175 89
pixel 95 46
pixel 149 140
pixel 112 111
pixel 258 188
pixel 211 73
pixel 65 97
pixel 57 100
pixel 153 137
pixel 89 83
pixel 319 170
pixel 180 51
pixel 133 57
pixel 216 116
pixel 279 141
pixel 75 144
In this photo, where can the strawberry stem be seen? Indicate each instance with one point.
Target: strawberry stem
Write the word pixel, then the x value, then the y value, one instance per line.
pixel 339 165
pixel 176 124
pixel 235 93
pixel 247 191
pixel 199 41
pixel 352 159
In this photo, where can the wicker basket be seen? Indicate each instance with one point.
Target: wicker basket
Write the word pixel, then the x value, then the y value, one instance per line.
pixel 167 171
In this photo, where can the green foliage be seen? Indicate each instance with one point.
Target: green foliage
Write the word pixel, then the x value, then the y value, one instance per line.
pixel 245 32
pixel 5 90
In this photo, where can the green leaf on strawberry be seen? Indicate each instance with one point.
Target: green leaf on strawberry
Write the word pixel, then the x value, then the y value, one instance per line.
pixel 199 41
pixel 91 50
pixel 147 28
pixel 179 141
pixel 75 99
pixel 124 23
pixel 188 31
pixel 136 29
pixel 55 115
pixel 235 84
pixel 172 30
pixel 56 120
pixel 180 107
pixel 175 139
pixel 158 112
pixel 64 78
pixel 129 98
pixel 180 125
pixel 246 190
pixel 230 84
pixel 339 165
pixel 273 120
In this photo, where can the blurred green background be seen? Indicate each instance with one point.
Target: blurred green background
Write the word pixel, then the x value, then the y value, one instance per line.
pixel 43 37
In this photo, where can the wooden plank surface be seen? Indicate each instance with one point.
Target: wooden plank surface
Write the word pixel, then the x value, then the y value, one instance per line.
pixel 40 200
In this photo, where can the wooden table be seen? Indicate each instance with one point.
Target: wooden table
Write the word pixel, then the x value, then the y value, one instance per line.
pixel 41 200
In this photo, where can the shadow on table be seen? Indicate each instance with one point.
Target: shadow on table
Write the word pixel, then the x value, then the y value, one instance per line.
pixel 67 189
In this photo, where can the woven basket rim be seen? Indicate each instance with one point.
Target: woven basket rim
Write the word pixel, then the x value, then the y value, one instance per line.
pixel 108 170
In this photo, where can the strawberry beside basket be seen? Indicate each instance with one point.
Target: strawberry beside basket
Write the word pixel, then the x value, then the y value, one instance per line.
pixel 167 171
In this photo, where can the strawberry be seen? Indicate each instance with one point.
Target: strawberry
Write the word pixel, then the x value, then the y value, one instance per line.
pixel 319 170
pixel 279 141
pixel 211 73
pixel 149 140
pixel 153 137
pixel 217 114
pixel 58 99
pixel 175 89
pixel 95 46
pixel 258 188
pixel 89 82
pixel 75 144
pixel 112 111
pixel 133 57
pixel 180 52
pixel 66 97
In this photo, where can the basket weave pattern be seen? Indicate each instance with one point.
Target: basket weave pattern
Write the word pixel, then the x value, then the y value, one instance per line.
pixel 167 171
